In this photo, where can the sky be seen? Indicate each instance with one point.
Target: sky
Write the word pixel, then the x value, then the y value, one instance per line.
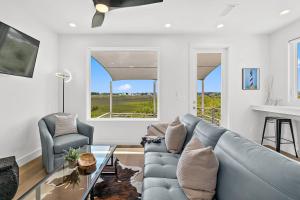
pixel 100 82
pixel 212 82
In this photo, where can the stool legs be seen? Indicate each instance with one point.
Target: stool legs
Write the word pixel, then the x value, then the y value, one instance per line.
pixel 263 135
pixel 278 135
pixel 278 126
pixel 292 131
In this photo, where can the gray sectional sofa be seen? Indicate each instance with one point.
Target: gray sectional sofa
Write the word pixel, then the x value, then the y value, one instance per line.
pixel 247 171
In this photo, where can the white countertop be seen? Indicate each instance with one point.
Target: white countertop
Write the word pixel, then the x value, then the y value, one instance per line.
pixel 286 110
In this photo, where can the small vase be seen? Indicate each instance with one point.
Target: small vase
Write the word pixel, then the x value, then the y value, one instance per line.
pixel 72 164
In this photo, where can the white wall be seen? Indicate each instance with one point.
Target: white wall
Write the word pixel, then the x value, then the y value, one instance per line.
pixel 279 59
pixel 244 51
pixel 23 101
pixel 279 68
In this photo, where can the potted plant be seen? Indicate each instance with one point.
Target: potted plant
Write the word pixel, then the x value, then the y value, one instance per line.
pixel 72 157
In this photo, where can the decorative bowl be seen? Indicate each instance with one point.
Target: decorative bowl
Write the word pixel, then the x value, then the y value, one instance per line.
pixel 86 161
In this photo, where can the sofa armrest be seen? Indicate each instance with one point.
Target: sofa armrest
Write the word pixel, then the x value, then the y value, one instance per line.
pixel 47 146
pixel 85 129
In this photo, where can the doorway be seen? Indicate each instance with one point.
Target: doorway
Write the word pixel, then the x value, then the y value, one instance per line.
pixel 207 85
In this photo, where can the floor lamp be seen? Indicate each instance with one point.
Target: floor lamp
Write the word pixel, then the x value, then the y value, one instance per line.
pixel 66 77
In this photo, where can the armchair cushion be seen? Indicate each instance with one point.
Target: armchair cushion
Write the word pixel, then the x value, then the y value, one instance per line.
pixel 65 124
pixel 64 142
pixel 50 121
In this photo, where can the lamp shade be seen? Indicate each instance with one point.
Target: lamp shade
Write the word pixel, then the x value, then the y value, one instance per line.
pixel 66 75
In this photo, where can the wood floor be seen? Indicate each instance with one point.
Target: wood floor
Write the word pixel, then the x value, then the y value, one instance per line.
pixel 33 172
pixel 284 153
pixel 30 174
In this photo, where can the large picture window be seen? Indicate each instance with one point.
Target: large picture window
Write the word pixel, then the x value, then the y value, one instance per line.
pixel 294 70
pixel 123 84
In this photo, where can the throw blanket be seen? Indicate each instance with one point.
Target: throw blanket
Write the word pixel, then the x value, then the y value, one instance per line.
pixel 155 133
pixel 149 139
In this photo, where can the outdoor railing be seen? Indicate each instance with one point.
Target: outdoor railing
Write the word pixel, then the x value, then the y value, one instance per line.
pixel 127 115
pixel 210 114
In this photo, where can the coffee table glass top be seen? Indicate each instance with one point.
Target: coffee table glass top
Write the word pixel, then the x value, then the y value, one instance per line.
pixel 70 182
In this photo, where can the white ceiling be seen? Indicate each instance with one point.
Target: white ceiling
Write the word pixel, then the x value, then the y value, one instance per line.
pixel 128 65
pixel 186 16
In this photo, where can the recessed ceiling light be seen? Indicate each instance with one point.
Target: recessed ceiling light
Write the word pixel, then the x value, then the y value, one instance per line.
pixel 73 25
pixel 168 25
pixel 220 26
pixel 102 8
pixel 285 12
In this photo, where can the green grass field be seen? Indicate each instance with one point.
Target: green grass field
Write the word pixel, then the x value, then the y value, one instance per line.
pixel 141 106
pixel 211 100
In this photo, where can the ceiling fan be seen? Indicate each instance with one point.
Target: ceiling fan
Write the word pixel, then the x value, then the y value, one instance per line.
pixel 103 6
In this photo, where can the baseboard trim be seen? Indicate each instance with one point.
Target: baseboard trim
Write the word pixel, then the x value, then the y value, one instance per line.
pixel 129 146
pixel 29 157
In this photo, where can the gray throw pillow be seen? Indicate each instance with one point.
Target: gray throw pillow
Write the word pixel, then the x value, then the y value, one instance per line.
pixel 175 136
pixel 197 171
pixel 65 124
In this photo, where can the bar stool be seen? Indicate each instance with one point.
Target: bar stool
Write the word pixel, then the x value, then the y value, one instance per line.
pixel 278 139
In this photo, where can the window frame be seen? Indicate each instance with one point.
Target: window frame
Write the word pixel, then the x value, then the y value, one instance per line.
pixel 293 72
pixel 88 83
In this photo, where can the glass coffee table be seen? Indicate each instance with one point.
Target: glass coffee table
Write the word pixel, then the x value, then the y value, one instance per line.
pixel 69 182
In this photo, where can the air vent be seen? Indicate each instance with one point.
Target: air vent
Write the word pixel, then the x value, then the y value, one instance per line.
pixel 228 9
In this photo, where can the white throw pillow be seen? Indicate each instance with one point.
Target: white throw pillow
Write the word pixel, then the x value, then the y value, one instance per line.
pixel 175 136
pixel 65 124
pixel 197 171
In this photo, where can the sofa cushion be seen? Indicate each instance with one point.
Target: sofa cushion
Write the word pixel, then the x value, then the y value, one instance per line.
pixel 175 136
pixel 156 147
pixel 161 158
pixel 64 142
pixel 162 189
pixel 197 170
pixel 189 121
pixel 250 171
pixel 160 164
pixel 157 129
pixel 208 133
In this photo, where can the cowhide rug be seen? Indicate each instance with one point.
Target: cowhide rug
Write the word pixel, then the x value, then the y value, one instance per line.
pixel 124 185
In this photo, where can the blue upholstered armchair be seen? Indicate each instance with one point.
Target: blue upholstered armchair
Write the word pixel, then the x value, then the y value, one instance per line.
pixel 53 148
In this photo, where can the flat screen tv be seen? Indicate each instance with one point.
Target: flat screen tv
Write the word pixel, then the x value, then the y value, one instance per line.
pixel 18 52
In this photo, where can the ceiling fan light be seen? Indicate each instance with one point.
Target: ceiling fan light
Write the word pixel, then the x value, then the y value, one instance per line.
pixel 285 12
pixel 220 26
pixel 102 8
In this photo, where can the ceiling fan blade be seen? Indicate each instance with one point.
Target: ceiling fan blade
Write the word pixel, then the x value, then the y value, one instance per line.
pixel 113 4
pixel 98 19
pixel 130 3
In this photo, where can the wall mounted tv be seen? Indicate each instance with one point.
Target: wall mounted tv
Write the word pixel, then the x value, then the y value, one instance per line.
pixel 18 52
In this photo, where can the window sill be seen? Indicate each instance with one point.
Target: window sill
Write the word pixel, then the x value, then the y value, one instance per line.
pixel 123 120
